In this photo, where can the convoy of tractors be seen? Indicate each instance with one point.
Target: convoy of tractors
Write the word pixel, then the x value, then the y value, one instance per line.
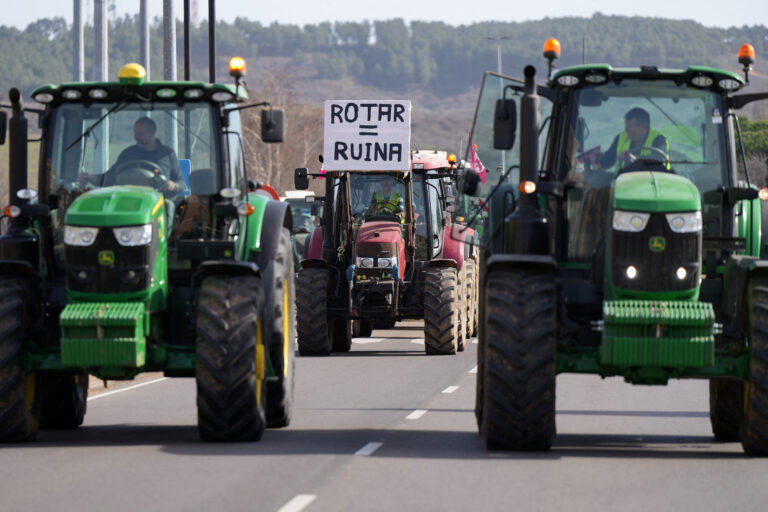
pixel 145 247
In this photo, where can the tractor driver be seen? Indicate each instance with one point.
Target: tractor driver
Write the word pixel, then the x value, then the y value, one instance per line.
pixel 148 150
pixel 637 134
pixel 386 200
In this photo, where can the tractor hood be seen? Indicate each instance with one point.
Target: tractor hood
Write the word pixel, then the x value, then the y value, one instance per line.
pixel 115 206
pixel 381 232
pixel 648 191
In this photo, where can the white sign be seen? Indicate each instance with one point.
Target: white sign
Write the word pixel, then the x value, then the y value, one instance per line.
pixel 367 135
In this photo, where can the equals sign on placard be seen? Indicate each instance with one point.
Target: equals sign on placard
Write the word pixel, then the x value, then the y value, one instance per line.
pixel 365 129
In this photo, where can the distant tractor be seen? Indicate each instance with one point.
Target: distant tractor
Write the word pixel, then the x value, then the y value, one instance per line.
pixel 641 258
pixel 369 265
pixel 120 263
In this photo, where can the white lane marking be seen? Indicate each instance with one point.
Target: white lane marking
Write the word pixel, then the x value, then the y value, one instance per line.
pixel 418 413
pixel 418 341
pixel 474 341
pixel 368 449
pixel 129 388
pixel 450 389
pixel 298 503
pixel 365 341
pixel 473 370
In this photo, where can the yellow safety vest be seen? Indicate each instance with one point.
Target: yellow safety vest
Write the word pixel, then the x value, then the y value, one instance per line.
pixel 624 143
pixel 391 204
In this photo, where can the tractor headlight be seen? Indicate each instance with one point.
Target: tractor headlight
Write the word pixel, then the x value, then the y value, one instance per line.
pixel 630 221
pixel 364 262
pixel 387 262
pixel 80 236
pixel 134 235
pixel 684 222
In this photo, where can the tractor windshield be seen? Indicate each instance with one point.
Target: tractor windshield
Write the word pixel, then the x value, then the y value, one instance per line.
pixel 638 125
pixel 376 195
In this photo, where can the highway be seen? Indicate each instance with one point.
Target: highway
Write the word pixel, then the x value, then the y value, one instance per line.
pixel 386 428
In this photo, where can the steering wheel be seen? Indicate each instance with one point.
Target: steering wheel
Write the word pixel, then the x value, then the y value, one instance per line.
pixel 654 162
pixel 141 172
pixel 635 153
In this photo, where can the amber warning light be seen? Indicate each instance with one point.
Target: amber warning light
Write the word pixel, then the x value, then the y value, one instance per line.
pixel 551 52
pixel 746 59
pixel 237 67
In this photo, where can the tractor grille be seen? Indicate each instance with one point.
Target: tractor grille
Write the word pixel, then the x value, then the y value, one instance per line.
pixel 656 270
pixel 131 270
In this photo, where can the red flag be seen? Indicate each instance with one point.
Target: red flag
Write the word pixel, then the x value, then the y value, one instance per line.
pixel 474 161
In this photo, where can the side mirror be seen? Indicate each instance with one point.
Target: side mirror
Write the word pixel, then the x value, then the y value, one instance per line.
pixel 300 178
pixel 272 125
pixel 471 179
pixel 314 209
pixel 504 124
pixel 3 126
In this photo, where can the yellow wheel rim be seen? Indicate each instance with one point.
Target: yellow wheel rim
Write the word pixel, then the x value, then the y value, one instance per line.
pixel 286 333
pixel 260 363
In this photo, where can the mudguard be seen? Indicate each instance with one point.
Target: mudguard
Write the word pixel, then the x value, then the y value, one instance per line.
pixel 229 267
pixel 539 263
pixel 313 248
pixel 454 249
pixel 277 215
pixel 738 271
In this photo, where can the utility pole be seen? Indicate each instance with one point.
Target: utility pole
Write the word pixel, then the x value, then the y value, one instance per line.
pixel 100 47
pixel 144 36
pixel 78 56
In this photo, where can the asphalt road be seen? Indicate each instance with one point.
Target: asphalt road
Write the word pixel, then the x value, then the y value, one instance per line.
pixel 386 428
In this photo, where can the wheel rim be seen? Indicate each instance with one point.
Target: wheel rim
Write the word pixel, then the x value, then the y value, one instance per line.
pixel 260 363
pixel 286 324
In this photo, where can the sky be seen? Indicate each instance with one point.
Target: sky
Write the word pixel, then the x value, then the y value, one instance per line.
pixel 710 13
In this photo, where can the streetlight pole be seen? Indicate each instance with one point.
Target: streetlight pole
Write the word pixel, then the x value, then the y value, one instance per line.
pixel 501 89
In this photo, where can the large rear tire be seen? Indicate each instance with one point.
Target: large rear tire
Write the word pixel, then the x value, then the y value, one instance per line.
pixel 279 318
pixel 441 310
pixel 518 411
pixel 754 431
pixel 362 328
pixel 315 336
pixel 463 319
pixel 231 359
pixel 726 408
pixel 19 392
pixel 63 400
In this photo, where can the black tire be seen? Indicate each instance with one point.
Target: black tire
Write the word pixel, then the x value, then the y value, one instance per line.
pixel 315 336
pixel 473 298
pixel 231 359
pixel 479 381
pixel 342 335
pixel 441 310
pixel 726 408
pixel 754 431
pixel 19 392
pixel 279 319
pixel 365 328
pixel 63 400
pixel 518 410
pixel 461 332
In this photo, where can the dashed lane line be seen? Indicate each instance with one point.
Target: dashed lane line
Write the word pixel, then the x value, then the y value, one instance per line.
pixel 368 449
pixel 450 389
pixel 298 503
pixel 365 341
pixel 418 413
pixel 473 370
pixel 418 341
pixel 129 388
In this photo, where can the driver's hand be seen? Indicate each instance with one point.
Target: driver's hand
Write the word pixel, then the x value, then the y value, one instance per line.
pixel 171 186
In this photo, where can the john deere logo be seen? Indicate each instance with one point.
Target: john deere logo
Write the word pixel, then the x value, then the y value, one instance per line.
pixel 657 244
pixel 106 258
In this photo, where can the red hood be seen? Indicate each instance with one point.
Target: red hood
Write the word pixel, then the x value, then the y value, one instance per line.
pixel 388 232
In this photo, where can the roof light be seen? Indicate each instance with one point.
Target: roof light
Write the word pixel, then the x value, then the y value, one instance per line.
pixel 763 194
pixel 418 166
pixel 165 92
pixel 729 84
pixel 702 81
pixel 222 96
pixel 237 67
pixel 527 187
pixel 552 49
pixel 132 74
pixel 71 94
pixel 97 94
pixel 12 211
pixel 193 94
pixel 747 55
pixel 568 80
pixel 451 158
pixel 596 78
pixel 44 97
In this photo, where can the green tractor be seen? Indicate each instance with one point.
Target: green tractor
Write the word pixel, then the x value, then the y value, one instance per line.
pixel 619 253
pixel 129 259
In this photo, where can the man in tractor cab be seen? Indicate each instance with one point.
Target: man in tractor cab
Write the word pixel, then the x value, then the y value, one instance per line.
pixel 149 154
pixel 386 200
pixel 638 140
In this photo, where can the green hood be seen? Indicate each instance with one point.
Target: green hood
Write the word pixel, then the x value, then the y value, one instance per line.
pixel 115 206
pixel 648 191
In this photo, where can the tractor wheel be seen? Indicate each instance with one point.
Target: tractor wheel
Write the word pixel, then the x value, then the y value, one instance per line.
pixel 726 408
pixel 463 319
pixel 63 400
pixel 280 321
pixel 19 392
pixel 479 382
pixel 342 335
pixel 366 328
pixel 754 429
pixel 231 359
pixel 441 310
pixel 518 411
pixel 314 329
pixel 475 299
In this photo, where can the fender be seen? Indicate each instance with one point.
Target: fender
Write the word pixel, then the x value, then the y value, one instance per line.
pixel 313 248
pixel 314 263
pixel 230 267
pixel 535 262
pixel 277 215
pixel 442 263
pixel 453 249
pixel 738 271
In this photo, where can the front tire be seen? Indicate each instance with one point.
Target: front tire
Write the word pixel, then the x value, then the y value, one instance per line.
pixel 63 400
pixel 441 310
pixel 518 411
pixel 314 329
pixel 726 408
pixel 231 359
pixel 754 431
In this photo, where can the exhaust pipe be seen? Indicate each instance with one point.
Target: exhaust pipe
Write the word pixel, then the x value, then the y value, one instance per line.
pixel 17 148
